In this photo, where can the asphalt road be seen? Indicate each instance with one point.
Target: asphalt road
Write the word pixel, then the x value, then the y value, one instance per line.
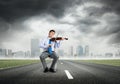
pixel 81 73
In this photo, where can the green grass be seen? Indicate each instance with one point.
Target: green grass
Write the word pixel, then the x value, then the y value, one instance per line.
pixel 106 62
pixel 14 63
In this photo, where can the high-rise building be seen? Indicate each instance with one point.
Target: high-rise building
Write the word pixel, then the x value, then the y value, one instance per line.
pixel 3 52
pixel 71 51
pixel 80 51
pixel 19 54
pixel 0 52
pixel 86 50
pixel 27 54
pixel 35 50
pixel 9 53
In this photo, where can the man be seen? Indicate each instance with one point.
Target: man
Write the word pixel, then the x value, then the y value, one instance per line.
pixel 49 51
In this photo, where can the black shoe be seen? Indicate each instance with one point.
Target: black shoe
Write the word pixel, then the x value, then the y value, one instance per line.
pixel 46 70
pixel 52 70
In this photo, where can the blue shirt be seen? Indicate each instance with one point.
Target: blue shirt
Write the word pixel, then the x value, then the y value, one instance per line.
pixel 45 42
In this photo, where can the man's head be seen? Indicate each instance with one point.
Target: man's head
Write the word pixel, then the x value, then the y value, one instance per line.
pixel 51 33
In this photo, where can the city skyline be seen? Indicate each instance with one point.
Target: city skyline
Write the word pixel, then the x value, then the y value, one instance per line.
pixel 80 51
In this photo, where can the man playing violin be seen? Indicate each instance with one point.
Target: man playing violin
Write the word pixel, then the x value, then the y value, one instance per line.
pixel 49 47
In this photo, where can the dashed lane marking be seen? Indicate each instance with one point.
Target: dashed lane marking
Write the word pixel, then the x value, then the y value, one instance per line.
pixel 68 74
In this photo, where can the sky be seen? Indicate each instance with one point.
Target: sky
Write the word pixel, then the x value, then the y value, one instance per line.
pixel 85 22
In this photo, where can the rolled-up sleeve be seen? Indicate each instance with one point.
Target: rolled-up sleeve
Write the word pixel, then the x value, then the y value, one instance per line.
pixel 42 44
pixel 57 44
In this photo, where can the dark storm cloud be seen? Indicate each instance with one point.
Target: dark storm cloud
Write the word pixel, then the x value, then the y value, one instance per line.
pixel 115 38
pixel 109 31
pixel 85 25
pixel 15 9
pixel 112 5
pixel 7 30
pixel 14 12
pixel 89 21
pixel 3 26
pixel 94 12
pixel 113 28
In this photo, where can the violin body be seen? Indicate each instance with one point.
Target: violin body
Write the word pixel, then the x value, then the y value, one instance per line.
pixel 58 38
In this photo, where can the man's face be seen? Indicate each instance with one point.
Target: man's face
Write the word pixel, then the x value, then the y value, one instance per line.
pixel 51 34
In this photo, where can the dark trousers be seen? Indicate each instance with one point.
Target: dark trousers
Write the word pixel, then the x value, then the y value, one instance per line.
pixel 44 55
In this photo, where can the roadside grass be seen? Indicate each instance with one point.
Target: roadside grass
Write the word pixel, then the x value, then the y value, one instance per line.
pixel 15 63
pixel 106 62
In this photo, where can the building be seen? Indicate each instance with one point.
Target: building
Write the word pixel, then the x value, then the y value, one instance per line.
pixel 108 54
pixel 0 52
pixel 79 51
pixel 19 54
pixel 3 52
pixel 9 53
pixel 86 50
pixel 71 51
pixel 35 50
pixel 27 54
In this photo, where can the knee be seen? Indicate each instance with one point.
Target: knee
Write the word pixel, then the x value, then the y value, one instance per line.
pixel 41 57
pixel 57 57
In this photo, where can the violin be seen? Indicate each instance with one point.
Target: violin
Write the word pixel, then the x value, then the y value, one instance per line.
pixel 58 38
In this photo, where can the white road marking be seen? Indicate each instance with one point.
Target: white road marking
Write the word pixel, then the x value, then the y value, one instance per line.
pixel 68 74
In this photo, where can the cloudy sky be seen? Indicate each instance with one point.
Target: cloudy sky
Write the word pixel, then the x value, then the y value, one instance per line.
pixel 85 22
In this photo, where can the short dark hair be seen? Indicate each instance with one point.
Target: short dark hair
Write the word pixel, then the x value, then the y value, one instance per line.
pixel 52 31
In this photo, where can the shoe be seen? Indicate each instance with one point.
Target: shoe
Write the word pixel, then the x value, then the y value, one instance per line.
pixel 52 70
pixel 46 70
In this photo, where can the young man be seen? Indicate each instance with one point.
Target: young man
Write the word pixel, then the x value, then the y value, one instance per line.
pixel 49 51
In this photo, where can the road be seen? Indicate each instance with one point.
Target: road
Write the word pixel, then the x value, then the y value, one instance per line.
pixel 81 73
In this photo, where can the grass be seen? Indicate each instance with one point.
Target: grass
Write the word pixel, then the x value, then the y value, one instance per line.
pixel 106 62
pixel 14 63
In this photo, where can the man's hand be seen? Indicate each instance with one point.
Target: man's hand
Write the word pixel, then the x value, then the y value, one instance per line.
pixel 63 38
